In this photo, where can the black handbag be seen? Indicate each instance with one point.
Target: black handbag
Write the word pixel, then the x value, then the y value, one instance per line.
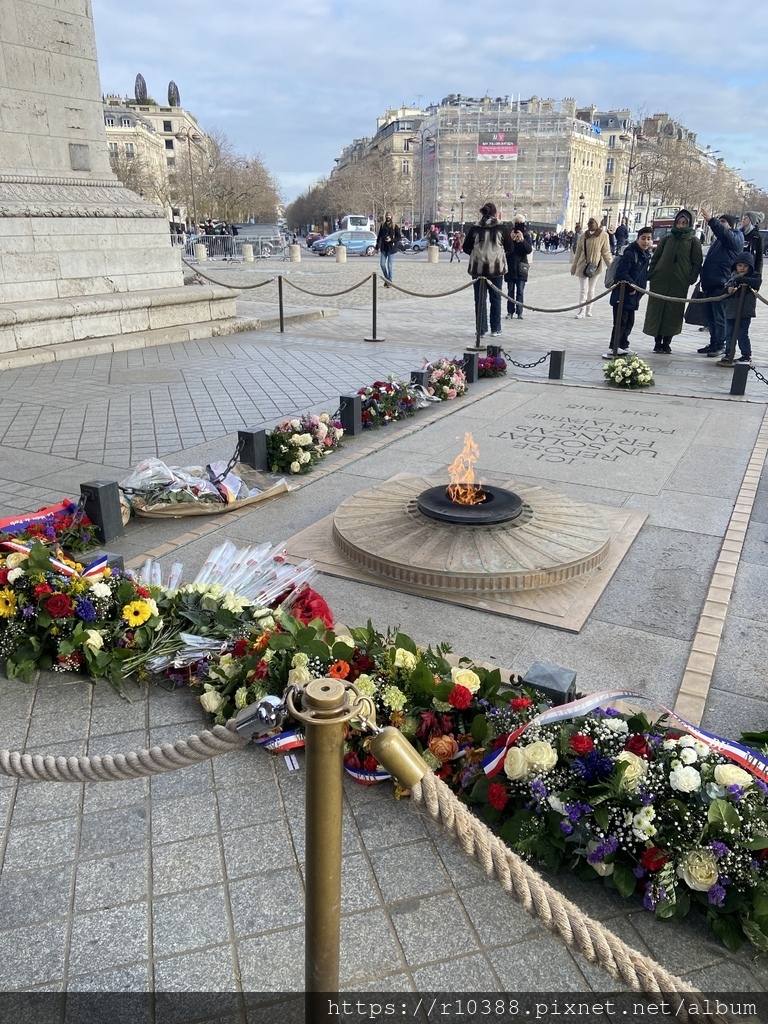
pixel 590 270
pixel 522 270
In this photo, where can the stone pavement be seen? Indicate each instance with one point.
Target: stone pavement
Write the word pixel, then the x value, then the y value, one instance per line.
pixel 193 881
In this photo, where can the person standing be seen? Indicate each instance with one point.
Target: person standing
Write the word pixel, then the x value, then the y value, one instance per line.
pixel 386 246
pixel 592 253
pixel 517 269
pixel 489 247
pixel 632 268
pixel 744 273
pixel 674 268
pixel 621 234
pixel 715 271
pixel 456 243
pixel 753 240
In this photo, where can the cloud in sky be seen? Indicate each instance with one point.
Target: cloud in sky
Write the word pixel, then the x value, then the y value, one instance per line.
pixel 296 80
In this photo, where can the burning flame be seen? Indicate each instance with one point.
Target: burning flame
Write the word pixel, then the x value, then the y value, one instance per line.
pixel 463 489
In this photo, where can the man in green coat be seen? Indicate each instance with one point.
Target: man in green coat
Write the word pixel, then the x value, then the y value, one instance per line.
pixel 674 268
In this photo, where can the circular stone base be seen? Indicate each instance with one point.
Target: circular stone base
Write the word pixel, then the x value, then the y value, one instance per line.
pixel 553 540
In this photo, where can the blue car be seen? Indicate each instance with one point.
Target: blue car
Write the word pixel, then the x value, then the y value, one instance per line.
pixel 363 243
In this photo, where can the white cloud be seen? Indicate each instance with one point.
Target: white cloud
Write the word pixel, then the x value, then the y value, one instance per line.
pixel 297 80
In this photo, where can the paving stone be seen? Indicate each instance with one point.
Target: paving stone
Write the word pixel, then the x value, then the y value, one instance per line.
pixel 465 974
pixel 268 963
pixel 36 846
pixel 40 803
pixel 108 938
pixel 684 946
pixel 432 928
pixel 101 796
pixel 536 965
pixel 189 920
pixel 113 831
pixel 378 955
pixel 496 917
pixel 254 850
pixel 33 955
pixel 425 873
pixel 186 865
pixel 183 818
pixel 177 984
pixel 31 896
pixel 110 881
pixel 266 902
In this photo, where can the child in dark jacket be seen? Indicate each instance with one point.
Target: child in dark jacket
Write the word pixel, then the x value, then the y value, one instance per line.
pixel 743 273
pixel 632 268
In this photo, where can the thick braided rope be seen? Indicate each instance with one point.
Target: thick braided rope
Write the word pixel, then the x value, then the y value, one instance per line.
pixel 119 767
pixel 598 945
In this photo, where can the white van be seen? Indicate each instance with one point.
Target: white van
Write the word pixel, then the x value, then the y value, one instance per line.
pixel 356 222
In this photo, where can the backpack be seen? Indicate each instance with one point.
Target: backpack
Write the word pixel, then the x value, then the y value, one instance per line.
pixel 488 258
pixel 610 274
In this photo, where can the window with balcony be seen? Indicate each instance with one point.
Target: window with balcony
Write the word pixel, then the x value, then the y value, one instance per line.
pixel 113 149
pixel 607 190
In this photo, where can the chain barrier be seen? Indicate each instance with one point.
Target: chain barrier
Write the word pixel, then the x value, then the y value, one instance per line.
pixel 232 462
pixel 524 366
pixel 759 375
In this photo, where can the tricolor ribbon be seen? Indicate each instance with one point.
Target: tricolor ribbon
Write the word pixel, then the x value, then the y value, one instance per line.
pixel 290 739
pixel 745 758
pixel 93 569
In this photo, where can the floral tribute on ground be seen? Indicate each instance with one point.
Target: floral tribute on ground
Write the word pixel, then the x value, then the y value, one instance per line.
pixel 675 816
pixel 446 379
pixel 295 446
pixel 491 366
pixel 386 401
pixel 629 372
pixel 63 526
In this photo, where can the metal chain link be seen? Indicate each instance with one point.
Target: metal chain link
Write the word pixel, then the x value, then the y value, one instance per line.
pixel 525 366
pixel 232 462
pixel 759 375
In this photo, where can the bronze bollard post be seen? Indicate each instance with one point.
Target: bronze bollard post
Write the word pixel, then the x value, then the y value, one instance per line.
pixel 325 709
pixel 619 313
pixel 280 306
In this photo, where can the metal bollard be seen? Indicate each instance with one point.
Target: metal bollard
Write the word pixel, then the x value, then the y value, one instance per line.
pixel 470 361
pixel 281 308
pixel 494 351
pixel 374 311
pixel 739 379
pixel 556 363
pixel 351 414
pixel 102 506
pixel 253 452
pixel 420 377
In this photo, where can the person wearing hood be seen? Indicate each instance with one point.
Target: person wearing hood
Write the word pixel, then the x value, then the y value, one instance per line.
pixel 592 251
pixel 675 265
pixel 753 240
pixel 744 273
pixel 490 248
pixel 715 271
pixel 517 271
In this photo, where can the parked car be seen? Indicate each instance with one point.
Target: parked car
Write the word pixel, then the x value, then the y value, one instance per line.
pixel 312 237
pixel 421 244
pixel 404 245
pixel 363 243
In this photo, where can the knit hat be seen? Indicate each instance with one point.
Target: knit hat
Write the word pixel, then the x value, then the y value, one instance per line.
pixel 756 216
pixel 728 218
pixel 683 213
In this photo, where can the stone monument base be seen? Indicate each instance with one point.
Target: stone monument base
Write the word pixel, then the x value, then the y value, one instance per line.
pixel 46 322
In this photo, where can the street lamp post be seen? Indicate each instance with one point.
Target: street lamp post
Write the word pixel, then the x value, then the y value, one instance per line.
pixel 421 135
pixel 582 209
pixel 636 133
pixel 453 226
pixel 189 136
pixel 462 197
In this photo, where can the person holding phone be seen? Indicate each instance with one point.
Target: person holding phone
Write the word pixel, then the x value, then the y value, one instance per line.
pixel 517 269
pixel 386 245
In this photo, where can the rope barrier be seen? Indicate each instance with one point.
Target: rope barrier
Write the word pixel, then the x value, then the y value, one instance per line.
pixel 429 295
pixel 539 899
pixel 232 287
pixel 329 295
pixel 120 767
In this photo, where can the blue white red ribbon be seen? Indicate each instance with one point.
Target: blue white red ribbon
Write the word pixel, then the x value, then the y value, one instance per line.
pixel 746 758
pixel 290 739
pixel 93 569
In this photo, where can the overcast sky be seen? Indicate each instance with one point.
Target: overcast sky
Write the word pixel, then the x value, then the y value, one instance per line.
pixel 295 80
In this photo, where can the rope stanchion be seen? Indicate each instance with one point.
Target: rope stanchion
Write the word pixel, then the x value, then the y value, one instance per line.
pixel 121 767
pixel 539 899
pixel 329 295
pixel 430 295
pixel 232 287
